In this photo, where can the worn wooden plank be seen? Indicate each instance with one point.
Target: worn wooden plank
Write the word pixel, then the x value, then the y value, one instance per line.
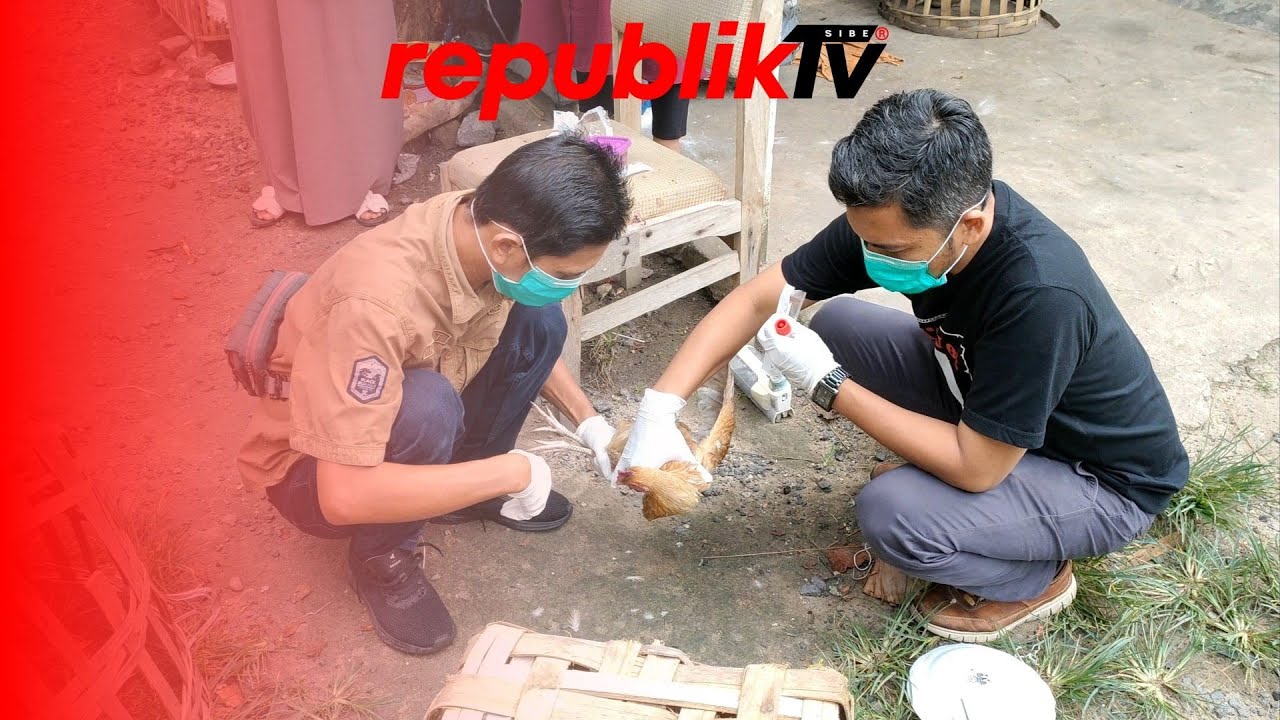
pixel 714 219
pixel 761 697
pixel 445 184
pixel 813 710
pixel 753 171
pixel 620 657
pixel 652 298
pixel 583 653
pixel 572 351
pixel 625 110
pixel 658 668
pixel 705 697
pixel 632 276
pixel 573 706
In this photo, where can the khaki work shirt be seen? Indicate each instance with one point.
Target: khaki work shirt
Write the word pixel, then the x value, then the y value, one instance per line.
pixel 391 299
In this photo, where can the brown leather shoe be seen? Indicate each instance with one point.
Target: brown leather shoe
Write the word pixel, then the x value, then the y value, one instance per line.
pixel 957 615
pixel 883 468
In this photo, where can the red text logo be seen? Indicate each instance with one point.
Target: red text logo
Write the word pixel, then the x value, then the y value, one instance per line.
pixel 455 70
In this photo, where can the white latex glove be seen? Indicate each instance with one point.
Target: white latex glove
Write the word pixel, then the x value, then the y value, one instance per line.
pixel 596 433
pixel 802 356
pixel 654 438
pixel 531 501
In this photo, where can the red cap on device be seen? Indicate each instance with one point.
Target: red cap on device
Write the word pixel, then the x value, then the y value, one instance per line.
pixel 782 326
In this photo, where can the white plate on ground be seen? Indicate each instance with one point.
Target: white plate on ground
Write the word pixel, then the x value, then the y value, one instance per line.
pixel 223 75
pixel 974 682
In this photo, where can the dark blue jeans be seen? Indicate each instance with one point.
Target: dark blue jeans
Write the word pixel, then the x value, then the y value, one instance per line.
pixel 437 426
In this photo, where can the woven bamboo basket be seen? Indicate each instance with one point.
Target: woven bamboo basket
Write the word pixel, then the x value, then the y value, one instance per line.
pixel 510 673
pixel 99 641
pixel 963 18
pixel 193 18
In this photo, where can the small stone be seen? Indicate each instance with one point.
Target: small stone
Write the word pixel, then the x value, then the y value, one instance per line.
pixel 682 529
pixel 1275 695
pixel 786 489
pixel 646 273
pixel 881 455
pixel 815 587
pixel 197 65
pixel 145 62
pixel 603 290
pixel 446 135
pixel 1265 519
pixel 235 584
pixel 473 132
pixel 406 201
pixel 824 485
pixel 173 47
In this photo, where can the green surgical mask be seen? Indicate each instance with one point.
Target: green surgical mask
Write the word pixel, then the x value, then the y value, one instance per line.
pixel 910 276
pixel 536 287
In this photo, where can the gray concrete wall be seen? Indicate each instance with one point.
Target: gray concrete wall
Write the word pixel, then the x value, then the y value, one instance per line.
pixel 1149 134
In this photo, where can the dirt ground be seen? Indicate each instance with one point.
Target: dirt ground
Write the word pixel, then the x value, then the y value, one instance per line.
pixel 159 421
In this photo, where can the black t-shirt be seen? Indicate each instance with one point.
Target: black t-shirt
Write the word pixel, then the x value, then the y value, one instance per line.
pixel 1039 354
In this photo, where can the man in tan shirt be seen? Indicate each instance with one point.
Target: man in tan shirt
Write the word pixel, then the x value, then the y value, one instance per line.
pixel 413 354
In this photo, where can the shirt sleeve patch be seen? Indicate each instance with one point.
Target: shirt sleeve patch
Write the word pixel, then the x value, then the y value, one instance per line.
pixel 368 378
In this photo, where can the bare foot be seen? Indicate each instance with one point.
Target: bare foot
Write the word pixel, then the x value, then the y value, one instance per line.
pixel 886 582
pixel 670 144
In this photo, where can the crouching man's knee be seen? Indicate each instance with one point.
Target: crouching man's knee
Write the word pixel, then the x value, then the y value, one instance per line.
pixel 889 515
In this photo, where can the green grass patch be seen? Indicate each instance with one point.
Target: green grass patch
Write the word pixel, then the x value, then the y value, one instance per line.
pixel 1225 481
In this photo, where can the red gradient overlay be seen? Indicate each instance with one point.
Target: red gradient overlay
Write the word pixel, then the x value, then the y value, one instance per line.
pixel 38 315
pixel 68 184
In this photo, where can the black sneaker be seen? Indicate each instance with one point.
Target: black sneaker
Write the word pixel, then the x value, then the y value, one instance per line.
pixel 556 514
pixel 406 611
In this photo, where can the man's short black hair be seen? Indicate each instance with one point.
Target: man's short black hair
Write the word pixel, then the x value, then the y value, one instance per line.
pixel 924 150
pixel 560 193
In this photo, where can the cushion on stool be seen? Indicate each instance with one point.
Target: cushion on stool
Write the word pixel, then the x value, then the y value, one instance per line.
pixel 675 183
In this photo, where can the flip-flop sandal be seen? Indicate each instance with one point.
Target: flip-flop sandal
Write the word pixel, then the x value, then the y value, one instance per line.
pixel 375 203
pixel 267 203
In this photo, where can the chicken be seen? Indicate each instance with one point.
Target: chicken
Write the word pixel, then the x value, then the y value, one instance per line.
pixel 676 487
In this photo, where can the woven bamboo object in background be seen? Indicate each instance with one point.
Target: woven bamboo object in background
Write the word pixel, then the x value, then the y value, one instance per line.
pixel 195 20
pixel 98 640
pixel 510 673
pixel 963 18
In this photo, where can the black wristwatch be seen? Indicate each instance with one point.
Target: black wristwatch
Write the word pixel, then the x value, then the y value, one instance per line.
pixel 824 393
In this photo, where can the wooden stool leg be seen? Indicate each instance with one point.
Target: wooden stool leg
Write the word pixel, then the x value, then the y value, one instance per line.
pixel 445 184
pixel 632 276
pixel 572 353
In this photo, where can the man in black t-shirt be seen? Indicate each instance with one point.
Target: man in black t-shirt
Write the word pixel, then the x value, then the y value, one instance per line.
pixel 1031 422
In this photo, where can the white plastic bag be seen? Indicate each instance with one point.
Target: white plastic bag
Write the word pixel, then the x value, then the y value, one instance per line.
pixel 596 123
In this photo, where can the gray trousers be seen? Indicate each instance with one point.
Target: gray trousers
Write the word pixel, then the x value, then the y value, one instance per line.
pixel 1004 544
